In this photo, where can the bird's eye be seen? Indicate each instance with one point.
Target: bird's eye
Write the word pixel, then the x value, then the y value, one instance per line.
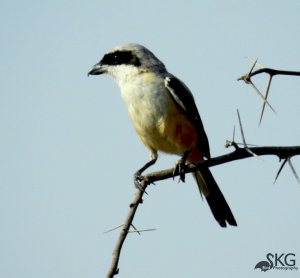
pixel 120 58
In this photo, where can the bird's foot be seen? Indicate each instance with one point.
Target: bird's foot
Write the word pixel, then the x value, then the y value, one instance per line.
pixel 180 169
pixel 138 181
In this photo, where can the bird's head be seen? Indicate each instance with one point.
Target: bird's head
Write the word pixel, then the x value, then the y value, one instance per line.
pixel 128 59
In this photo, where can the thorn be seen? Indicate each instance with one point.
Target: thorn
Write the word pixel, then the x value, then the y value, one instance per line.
pixel 134 229
pixel 255 62
pixel 244 140
pixel 293 169
pixel 253 153
pixel 265 99
pixel 279 171
pixel 241 128
pixel 141 231
pixel 233 134
pixel 253 66
pixel 229 143
pixel 262 96
pixel 113 229
pixel 252 145
pixel 247 77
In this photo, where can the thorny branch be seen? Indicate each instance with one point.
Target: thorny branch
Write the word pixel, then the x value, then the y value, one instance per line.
pixel 283 153
pixel 271 72
pixel 238 153
pixel 125 229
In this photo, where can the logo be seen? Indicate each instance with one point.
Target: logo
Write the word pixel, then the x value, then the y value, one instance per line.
pixel 286 262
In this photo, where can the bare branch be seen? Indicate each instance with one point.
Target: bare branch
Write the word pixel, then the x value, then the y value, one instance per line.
pixel 113 270
pixel 238 153
pixel 269 71
pixel 275 72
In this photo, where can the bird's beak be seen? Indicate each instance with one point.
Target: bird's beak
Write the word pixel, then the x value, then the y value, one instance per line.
pixel 97 69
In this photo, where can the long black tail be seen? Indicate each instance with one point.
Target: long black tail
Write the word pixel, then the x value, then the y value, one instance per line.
pixel 215 199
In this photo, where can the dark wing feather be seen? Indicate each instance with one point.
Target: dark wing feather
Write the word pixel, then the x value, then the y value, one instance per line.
pixel 184 98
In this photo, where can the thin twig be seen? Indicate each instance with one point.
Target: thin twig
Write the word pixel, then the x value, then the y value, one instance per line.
pixel 113 270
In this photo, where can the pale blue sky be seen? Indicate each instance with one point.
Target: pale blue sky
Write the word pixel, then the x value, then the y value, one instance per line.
pixel 68 149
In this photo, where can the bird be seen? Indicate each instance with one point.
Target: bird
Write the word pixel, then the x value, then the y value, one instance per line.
pixel 165 117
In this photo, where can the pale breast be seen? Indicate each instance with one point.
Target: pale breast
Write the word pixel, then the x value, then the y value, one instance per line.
pixel 157 119
pixel 145 99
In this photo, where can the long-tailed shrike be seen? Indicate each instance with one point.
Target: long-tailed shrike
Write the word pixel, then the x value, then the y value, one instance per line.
pixel 164 115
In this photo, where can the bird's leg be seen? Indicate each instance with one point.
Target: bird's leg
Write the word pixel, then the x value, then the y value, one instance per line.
pixel 180 166
pixel 138 174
